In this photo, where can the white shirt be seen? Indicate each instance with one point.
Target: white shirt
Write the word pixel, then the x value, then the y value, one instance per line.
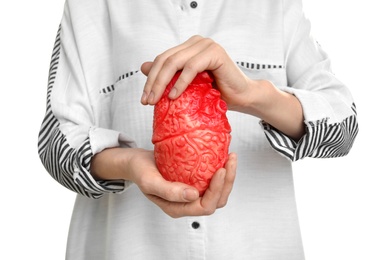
pixel 94 96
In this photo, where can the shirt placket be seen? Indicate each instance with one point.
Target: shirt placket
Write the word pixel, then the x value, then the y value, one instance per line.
pixel 188 18
pixel 188 21
pixel 196 227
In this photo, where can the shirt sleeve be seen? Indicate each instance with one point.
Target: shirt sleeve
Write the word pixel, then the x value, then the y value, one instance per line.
pixel 68 138
pixel 328 107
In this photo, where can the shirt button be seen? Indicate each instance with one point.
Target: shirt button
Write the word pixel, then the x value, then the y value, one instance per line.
pixel 195 225
pixel 194 4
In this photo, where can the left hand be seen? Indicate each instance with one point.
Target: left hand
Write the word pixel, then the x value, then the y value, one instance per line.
pixel 176 199
pixel 195 55
pixel 165 193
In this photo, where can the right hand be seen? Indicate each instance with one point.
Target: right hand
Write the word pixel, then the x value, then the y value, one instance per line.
pixel 195 55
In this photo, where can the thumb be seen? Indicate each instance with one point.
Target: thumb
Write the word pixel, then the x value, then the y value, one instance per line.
pixel 145 67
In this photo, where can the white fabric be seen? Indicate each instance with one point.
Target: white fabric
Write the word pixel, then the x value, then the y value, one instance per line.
pixel 97 93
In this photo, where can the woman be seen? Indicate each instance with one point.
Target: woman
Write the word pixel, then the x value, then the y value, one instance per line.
pixel 111 63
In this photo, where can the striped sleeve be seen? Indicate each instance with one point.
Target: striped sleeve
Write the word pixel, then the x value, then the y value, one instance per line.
pixel 67 139
pixel 328 107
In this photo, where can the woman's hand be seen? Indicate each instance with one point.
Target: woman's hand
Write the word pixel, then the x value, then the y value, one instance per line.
pixel 174 198
pixel 259 98
pixel 178 200
pixel 194 56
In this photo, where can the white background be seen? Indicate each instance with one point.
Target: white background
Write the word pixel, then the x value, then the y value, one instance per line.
pixel 343 203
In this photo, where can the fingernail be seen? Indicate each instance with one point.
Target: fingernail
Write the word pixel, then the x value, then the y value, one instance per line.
pixel 190 194
pixel 150 97
pixel 144 97
pixel 172 93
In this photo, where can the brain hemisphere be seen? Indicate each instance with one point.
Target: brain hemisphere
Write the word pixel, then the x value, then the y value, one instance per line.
pixel 191 133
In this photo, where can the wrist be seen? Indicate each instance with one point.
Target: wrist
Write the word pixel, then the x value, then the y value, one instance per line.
pixel 258 98
pixel 111 164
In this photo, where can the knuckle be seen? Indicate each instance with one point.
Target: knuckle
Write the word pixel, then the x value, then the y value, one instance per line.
pixel 170 194
pixel 196 38
pixel 209 41
pixel 215 47
pixel 170 61
pixel 182 82
pixel 173 214
pixel 190 66
pixel 222 203
pixel 159 58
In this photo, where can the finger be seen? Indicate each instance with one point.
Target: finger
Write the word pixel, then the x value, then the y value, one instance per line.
pixel 167 70
pixel 231 167
pixel 209 201
pixel 145 67
pixel 165 205
pixel 191 60
pixel 151 85
pixel 201 207
pixel 206 58
pixel 169 191
pixel 172 209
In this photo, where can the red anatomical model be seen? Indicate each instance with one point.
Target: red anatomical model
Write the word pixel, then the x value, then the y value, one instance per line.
pixel 191 134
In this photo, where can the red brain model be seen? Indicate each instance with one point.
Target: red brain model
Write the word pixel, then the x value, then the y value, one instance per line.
pixel 191 134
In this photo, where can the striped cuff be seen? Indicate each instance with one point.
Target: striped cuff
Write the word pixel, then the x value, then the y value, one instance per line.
pixel 71 167
pixel 322 140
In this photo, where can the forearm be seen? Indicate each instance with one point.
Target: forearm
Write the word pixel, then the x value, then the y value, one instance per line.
pixel 278 108
pixel 110 164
